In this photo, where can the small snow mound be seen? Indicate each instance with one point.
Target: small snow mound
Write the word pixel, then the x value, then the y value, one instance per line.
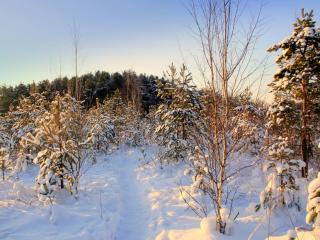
pixel 224 213
pixel 20 191
pixel 208 226
pixel 130 152
pixel 314 184
pixel 187 172
pixel 292 234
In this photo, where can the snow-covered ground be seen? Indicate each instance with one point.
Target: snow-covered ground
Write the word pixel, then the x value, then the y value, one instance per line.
pixel 93 216
pixel 126 197
pixel 172 220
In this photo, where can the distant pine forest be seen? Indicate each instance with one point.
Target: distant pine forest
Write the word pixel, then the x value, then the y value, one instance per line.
pixel 94 86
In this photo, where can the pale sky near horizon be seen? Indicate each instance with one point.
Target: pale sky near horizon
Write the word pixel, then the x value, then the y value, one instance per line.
pixel 115 35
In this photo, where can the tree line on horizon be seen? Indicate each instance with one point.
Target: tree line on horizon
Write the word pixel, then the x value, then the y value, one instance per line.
pixel 138 88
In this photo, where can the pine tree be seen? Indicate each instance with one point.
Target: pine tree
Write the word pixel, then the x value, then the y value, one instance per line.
pixel 23 116
pixel 298 77
pixel 5 161
pixel 178 115
pixel 249 122
pixel 61 142
pixel 126 118
pixel 115 108
pixel 279 149
pixel 281 179
pixel 101 128
pixel 132 131
pixel 18 121
pixel 6 138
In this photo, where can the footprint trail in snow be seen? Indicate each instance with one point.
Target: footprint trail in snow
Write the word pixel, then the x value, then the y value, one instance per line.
pixel 133 222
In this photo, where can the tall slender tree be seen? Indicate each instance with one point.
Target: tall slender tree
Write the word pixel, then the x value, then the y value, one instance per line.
pixel 298 77
pixel 76 41
pixel 227 49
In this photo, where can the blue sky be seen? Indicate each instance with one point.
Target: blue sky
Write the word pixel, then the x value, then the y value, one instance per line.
pixel 142 35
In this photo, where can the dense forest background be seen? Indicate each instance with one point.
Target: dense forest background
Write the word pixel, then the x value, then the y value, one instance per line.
pixel 139 88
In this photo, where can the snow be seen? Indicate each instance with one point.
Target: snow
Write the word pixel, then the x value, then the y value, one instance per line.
pixel 127 196
pixel 171 220
pixel 303 235
pixel 22 216
pixel 292 233
pixel 134 208
pixel 314 185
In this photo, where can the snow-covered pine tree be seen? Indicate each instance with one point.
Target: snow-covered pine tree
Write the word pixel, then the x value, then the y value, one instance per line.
pixel 201 177
pixel 7 145
pixel 101 128
pixel 24 115
pixel 281 166
pixel 313 206
pixel 5 161
pixel 298 77
pixel 21 120
pixel 282 171
pixel 125 117
pixel 61 143
pixel 249 122
pixel 283 117
pixel 115 108
pixel 147 126
pixel 177 115
pixel 6 138
pixel 132 132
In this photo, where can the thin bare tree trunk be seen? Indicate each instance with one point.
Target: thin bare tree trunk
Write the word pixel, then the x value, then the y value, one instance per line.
pixel 227 61
pixel 304 132
pixel 76 57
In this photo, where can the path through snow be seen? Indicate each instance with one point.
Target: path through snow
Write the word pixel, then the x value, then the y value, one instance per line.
pixel 118 200
pixel 133 222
